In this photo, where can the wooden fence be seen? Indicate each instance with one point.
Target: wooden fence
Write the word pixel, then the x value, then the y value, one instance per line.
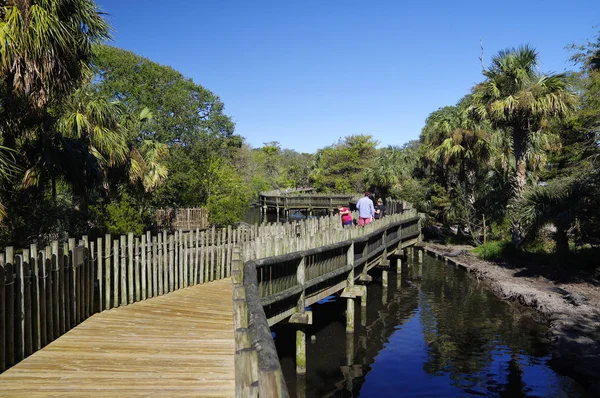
pixel 45 292
pixel 187 218
pixel 275 287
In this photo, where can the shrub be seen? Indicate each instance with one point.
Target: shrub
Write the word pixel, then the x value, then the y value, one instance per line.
pixel 494 250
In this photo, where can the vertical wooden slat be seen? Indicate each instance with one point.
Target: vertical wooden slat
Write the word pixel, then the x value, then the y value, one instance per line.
pixel 165 264
pixel 185 260
pixel 116 278
pixel 223 251
pixel 56 263
pixel 62 312
pixel 74 274
pixel 159 263
pixel 213 253
pixel 143 269
pixel 149 263
pixel 107 284
pixel 100 268
pixel 197 256
pixel 154 267
pixel 42 286
pixel 176 262
pixel 138 270
pixel 181 257
pixel 130 268
pixel 207 257
pixel 68 286
pixel 92 279
pixel 10 306
pixel 229 250
pixel 202 249
pixel 27 304
pixel 19 309
pixel 85 277
pixel 171 263
pixel 36 280
pixel 123 270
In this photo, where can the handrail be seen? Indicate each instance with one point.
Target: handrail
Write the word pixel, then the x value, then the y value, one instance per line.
pixel 298 274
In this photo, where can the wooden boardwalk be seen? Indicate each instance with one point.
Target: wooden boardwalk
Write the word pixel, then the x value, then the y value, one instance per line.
pixel 179 344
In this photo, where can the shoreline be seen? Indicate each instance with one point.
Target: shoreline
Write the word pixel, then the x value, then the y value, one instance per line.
pixel 574 325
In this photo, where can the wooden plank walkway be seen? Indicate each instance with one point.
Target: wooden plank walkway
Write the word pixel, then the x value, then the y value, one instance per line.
pixel 179 344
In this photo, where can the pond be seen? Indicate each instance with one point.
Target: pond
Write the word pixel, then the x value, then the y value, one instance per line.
pixel 434 332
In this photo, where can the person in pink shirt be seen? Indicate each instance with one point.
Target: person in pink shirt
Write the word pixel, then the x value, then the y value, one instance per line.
pixel 344 212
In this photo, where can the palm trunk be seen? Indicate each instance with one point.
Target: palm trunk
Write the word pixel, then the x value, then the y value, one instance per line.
pixel 520 181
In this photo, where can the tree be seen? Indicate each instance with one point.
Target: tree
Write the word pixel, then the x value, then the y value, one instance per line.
pixel 519 100
pixel 341 167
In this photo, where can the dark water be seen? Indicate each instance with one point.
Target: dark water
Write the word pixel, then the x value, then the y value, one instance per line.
pixel 442 335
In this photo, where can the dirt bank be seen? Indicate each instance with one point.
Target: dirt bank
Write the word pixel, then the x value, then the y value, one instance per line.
pixel 571 305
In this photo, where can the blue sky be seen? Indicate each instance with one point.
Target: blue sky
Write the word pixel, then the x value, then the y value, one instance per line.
pixel 306 73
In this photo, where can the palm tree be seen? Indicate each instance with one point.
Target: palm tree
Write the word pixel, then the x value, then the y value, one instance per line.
pixel 555 204
pixel 463 141
pixel 47 46
pixel 519 100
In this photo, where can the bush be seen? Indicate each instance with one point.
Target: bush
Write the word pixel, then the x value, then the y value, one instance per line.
pixel 494 250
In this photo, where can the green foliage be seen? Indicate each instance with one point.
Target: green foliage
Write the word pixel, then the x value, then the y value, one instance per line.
pixel 494 250
pixel 341 167
pixel 124 215
pixel 229 197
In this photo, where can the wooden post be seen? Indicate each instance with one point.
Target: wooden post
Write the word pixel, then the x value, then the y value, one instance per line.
pixel 56 264
pixel 399 273
pixel 384 279
pixel 420 255
pixel 186 263
pixel 138 270
pixel 159 264
pixel 36 280
pixel 154 266
pixel 202 249
pixel 26 304
pixel 148 264
pixel 171 264
pixel 123 270
pixel 130 268
pixel 10 306
pixel 165 262
pixel 49 282
pixel 116 278
pixel 144 277
pixel 350 283
pixel 107 240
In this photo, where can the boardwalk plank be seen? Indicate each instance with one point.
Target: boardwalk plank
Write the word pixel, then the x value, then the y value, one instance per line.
pixel 167 346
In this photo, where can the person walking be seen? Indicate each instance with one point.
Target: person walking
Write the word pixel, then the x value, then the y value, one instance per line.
pixel 379 209
pixel 346 216
pixel 366 210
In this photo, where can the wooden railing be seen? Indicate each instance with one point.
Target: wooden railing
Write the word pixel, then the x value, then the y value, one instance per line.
pixel 274 288
pixel 45 292
pixel 295 200
pixel 184 218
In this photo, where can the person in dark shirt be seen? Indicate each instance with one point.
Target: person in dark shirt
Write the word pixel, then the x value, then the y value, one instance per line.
pixel 379 209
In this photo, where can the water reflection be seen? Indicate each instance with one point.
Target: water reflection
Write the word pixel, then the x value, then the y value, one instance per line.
pixel 436 333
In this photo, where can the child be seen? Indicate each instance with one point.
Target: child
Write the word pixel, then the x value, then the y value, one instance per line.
pixel 346 216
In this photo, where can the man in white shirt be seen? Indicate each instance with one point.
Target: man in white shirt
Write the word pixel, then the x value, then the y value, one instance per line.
pixel 366 210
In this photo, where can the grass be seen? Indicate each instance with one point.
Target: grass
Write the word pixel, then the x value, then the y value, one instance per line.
pixel 494 250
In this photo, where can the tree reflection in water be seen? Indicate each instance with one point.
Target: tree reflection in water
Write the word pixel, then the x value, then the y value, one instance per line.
pixel 442 334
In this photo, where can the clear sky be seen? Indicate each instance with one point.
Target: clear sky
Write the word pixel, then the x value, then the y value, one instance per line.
pixel 306 73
